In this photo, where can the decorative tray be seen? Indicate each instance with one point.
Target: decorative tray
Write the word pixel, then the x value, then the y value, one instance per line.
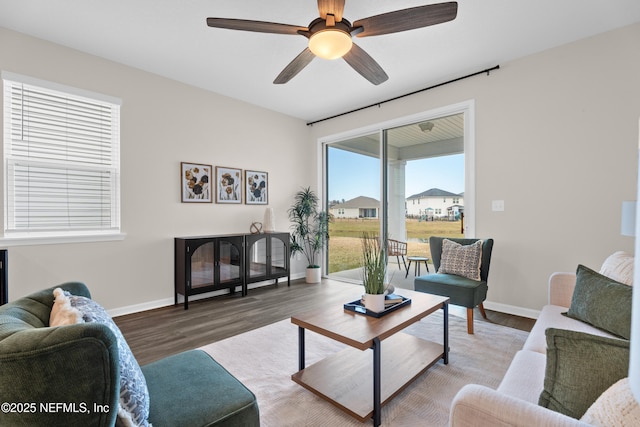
pixel 358 307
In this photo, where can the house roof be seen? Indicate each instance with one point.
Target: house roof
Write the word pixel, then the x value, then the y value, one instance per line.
pixel 434 192
pixel 359 202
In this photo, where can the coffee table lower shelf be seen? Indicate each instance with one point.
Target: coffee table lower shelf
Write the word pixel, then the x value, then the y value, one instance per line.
pixel 345 379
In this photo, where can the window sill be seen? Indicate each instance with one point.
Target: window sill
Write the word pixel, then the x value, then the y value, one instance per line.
pixel 54 240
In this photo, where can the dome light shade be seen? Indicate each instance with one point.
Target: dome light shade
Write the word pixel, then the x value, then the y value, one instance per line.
pixel 330 43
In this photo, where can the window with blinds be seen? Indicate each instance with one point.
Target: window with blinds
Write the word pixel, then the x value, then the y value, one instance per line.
pixel 61 158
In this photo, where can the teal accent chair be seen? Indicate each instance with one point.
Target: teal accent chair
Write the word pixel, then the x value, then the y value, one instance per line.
pixel 461 290
pixel 77 366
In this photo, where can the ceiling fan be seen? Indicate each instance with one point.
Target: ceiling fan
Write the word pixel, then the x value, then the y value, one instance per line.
pixel 330 35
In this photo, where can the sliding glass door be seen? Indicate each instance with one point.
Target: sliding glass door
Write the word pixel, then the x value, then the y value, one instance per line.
pixel 425 165
pixel 405 182
pixel 354 195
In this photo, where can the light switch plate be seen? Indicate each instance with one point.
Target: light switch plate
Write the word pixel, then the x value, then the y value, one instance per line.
pixel 497 205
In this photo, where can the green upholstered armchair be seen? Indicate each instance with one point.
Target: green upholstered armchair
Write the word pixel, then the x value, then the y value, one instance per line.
pixel 74 365
pixel 70 376
pixel 461 290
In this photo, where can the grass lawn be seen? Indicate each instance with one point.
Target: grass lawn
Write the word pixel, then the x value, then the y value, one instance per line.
pixel 345 247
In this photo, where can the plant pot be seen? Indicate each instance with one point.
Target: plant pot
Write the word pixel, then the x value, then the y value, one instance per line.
pixel 313 275
pixel 374 302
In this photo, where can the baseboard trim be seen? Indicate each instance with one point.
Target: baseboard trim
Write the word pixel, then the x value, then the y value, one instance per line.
pixel 136 308
pixel 512 309
pixel 296 276
pixel 165 302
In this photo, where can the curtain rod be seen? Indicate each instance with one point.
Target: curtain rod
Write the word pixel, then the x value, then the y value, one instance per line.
pixel 488 71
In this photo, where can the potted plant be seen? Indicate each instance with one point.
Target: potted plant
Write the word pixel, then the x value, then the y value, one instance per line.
pixel 374 272
pixel 309 231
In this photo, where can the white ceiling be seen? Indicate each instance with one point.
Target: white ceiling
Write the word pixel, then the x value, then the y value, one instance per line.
pixel 171 38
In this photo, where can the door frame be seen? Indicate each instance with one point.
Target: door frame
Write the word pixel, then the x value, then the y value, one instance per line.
pixel 465 107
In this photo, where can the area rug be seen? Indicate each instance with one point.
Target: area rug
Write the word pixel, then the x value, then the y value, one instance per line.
pixel 264 359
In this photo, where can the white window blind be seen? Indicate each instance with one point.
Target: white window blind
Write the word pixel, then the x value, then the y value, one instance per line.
pixel 62 160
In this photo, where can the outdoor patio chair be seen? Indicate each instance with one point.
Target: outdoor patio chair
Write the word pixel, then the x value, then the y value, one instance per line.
pixel 397 249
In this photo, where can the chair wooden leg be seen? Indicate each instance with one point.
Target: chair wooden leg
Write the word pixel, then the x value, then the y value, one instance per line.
pixel 481 307
pixel 470 320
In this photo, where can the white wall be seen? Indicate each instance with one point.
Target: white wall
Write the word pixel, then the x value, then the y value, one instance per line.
pixel 163 123
pixel 558 128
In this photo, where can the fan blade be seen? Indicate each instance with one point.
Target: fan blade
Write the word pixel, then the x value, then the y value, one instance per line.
pixel 331 7
pixel 407 19
pixel 365 65
pixel 257 26
pixel 295 66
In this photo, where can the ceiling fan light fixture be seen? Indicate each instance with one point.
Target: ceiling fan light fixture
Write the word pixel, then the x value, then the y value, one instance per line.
pixel 330 34
pixel 331 43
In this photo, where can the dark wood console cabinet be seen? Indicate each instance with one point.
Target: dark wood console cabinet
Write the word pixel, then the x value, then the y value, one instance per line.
pixel 210 263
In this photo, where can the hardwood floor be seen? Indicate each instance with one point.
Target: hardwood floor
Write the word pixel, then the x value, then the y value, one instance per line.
pixel 158 333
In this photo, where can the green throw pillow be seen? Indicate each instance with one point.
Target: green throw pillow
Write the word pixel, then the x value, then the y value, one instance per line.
pixel 602 302
pixel 580 367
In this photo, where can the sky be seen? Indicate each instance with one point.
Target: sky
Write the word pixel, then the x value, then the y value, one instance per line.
pixel 352 175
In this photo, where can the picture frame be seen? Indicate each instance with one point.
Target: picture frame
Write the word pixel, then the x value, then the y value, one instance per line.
pixel 195 179
pixel 256 187
pixel 228 185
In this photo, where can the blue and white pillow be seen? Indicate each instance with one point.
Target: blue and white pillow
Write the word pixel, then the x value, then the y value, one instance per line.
pixel 133 408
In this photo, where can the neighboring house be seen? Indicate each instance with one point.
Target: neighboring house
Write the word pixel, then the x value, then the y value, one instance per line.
pixel 360 207
pixel 435 204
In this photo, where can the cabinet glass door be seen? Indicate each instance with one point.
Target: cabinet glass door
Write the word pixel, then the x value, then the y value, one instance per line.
pixel 257 262
pixel 202 266
pixel 279 257
pixel 230 262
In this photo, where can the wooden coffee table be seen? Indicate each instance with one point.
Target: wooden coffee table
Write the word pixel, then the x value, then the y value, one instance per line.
pixel 359 383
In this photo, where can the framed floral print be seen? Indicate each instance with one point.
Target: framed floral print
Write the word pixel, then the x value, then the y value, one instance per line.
pixel 196 182
pixel 228 185
pixel 256 188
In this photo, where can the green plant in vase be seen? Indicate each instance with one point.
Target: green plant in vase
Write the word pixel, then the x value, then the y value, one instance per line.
pixel 374 272
pixel 309 230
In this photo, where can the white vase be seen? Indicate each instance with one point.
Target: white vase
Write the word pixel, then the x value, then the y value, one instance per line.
pixel 374 302
pixel 314 275
pixel 269 222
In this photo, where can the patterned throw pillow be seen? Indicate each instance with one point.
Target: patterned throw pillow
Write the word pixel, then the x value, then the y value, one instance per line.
pixel 133 408
pixel 461 260
pixel 614 407
pixel 619 267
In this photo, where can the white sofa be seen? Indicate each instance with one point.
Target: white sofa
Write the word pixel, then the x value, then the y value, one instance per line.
pixel 515 402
